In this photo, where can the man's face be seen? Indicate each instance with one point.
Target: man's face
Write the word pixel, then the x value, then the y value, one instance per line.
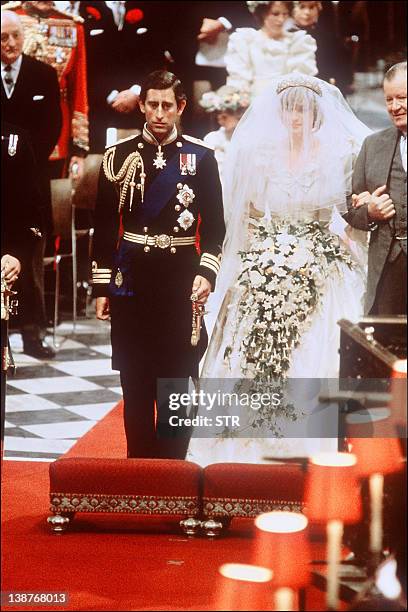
pixel 12 40
pixel 306 14
pixel 395 92
pixel 161 111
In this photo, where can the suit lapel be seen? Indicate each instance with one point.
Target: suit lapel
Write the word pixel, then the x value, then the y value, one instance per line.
pixel 388 144
pixel 21 82
pixel 388 151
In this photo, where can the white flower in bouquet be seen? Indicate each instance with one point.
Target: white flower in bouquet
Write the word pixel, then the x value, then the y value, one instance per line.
pixel 285 239
pixel 289 308
pixel 299 259
pixel 265 258
pixel 279 271
pixel 256 279
pixel 285 249
pixel 268 244
pixel 278 259
pixel 277 299
pixel 305 243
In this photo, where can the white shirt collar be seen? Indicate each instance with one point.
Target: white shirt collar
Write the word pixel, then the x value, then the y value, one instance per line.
pixel 118 11
pixel 150 138
pixel 403 150
pixel 15 66
pixel 14 72
pixel 114 5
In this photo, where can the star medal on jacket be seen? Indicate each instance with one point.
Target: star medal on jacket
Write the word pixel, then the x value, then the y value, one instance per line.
pixel 12 145
pixel 159 162
pixel 188 164
pixel 185 196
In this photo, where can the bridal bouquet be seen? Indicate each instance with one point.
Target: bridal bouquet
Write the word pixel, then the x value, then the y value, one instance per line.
pixel 282 273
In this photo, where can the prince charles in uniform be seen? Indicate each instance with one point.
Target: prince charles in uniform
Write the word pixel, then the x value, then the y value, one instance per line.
pixel 158 235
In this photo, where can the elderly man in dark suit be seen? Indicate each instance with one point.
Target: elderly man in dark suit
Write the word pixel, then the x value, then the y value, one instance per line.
pixel 379 201
pixel 30 99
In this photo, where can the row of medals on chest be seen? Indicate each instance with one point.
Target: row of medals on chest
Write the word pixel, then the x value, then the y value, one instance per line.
pixel 185 194
pixel 57 37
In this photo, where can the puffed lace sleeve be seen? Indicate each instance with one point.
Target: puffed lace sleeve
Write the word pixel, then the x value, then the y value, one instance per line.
pixel 238 58
pixel 302 54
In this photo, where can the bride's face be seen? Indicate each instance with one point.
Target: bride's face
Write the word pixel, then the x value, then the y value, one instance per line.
pixel 299 120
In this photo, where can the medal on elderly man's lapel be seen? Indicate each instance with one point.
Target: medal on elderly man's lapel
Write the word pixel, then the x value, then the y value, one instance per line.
pixel 188 163
pixel 12 145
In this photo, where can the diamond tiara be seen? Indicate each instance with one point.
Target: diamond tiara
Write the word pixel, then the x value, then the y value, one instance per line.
pixel 300 82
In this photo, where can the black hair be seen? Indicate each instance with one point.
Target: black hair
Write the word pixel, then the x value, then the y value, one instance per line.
pixel 162 79
pixel 262 10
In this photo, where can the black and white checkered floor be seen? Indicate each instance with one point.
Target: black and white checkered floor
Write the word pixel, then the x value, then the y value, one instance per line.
pixel 51 404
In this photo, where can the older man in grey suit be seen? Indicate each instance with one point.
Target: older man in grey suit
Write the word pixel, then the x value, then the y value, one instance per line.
pixel 379 201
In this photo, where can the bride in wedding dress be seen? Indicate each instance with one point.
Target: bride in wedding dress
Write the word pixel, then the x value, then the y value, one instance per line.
pixel 291 268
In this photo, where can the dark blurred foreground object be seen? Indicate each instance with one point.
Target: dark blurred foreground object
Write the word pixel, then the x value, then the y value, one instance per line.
pixel 370 348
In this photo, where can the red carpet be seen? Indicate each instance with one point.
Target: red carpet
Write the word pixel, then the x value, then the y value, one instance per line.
pixel 105 439
pixel 109 563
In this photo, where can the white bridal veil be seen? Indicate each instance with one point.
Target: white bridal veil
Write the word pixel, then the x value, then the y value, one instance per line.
pixel 291 158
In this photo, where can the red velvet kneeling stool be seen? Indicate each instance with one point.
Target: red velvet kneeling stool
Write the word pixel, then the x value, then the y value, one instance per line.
pixel 247 490
pixel 131 486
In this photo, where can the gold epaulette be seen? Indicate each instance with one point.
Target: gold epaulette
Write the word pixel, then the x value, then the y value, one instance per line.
pixel 66 14
pixel 197 141
pixel 122 140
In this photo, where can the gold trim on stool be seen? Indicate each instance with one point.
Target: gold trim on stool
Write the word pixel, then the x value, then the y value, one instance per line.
pixel 136 504
pixel 219 506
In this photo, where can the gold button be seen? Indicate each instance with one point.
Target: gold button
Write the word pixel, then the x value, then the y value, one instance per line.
pixel 176 229
pixel 179 185
pixel 172 250
pixel 179 144
pixel 140 145
pixel 145 229
pixel 177 207
pixel 146 249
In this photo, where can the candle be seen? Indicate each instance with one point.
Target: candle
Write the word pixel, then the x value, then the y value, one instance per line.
pixel 376 501
pixel 243 587
pixel 281 543
pixel 334 538
pixel 284 599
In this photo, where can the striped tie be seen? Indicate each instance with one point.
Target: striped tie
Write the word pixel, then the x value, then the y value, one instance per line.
pixel 8 79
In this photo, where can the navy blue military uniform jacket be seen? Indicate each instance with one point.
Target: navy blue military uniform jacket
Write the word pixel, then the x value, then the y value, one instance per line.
pixel 146 255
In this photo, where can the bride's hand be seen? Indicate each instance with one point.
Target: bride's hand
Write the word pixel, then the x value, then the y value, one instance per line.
pixel 201 288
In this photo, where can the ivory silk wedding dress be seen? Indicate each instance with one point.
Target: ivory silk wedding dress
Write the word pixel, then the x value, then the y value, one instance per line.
pixel 291 269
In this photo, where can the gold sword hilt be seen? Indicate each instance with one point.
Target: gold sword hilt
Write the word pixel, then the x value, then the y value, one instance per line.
pixel 198 312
